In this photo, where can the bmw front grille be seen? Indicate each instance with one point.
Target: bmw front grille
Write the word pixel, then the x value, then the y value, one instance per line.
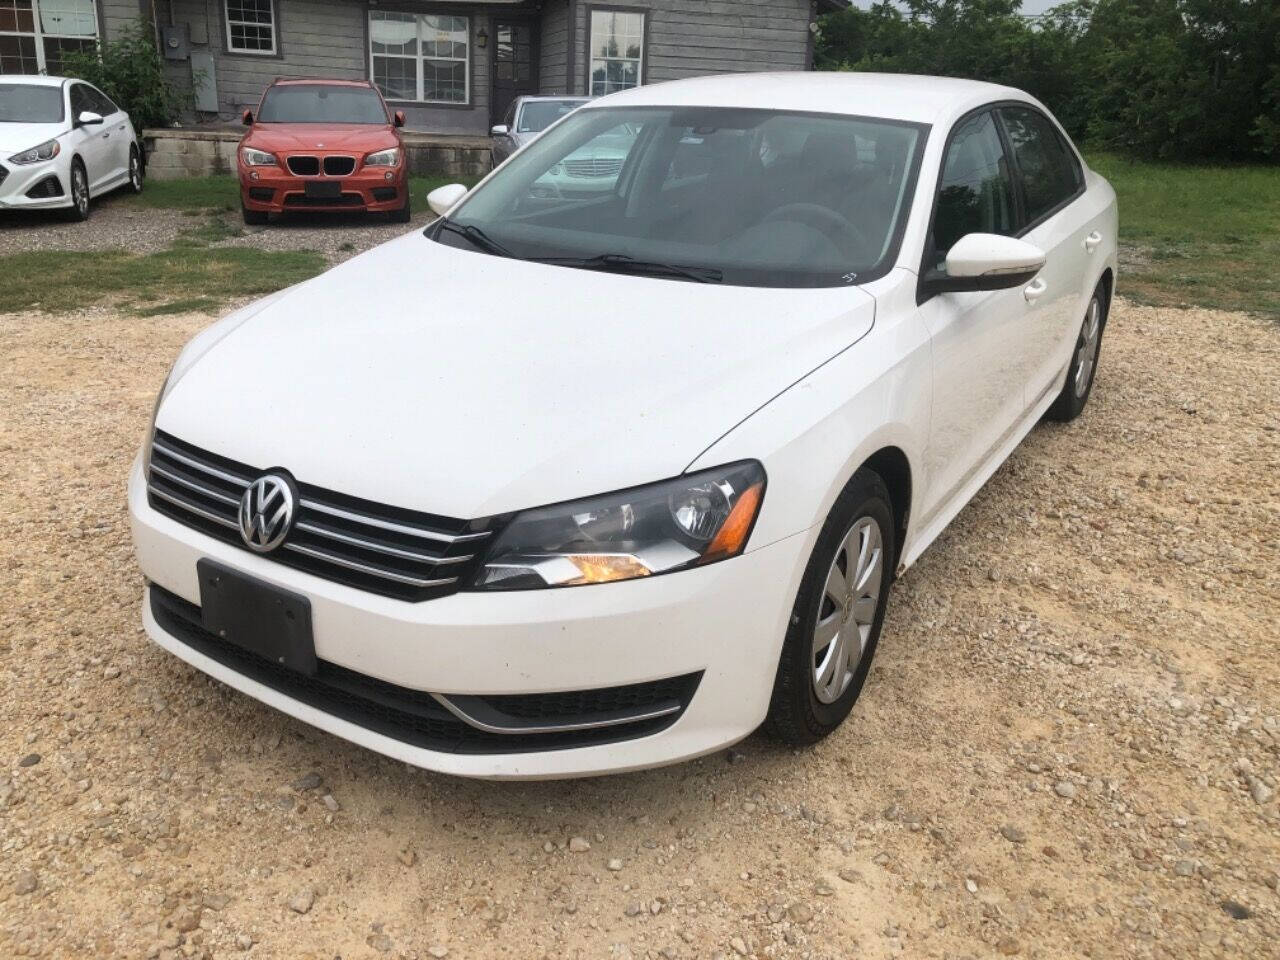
pixel 383 549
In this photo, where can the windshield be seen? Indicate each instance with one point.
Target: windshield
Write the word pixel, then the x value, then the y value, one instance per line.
pixel 26 103
pixel 313 103
pixel 537 115
pixel 737 196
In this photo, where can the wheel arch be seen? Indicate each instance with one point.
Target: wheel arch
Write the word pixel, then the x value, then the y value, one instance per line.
pixel 893 466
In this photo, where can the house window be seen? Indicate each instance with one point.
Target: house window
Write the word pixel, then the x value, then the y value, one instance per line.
pixel 34 34
pixel 424 58
pixel 251 26
pixel 617 51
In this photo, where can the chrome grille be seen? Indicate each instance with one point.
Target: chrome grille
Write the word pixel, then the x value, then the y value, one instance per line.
pixel 595 167
pixel 338 166
pixel 386 550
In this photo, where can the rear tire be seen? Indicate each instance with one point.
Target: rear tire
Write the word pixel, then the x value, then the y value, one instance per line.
pixel 841 601
pixel 402 215
pixel 1084 360
pixel 254 218
pixel 79 209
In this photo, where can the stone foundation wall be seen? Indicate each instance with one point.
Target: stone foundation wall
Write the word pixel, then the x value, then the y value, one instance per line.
pixel 174 154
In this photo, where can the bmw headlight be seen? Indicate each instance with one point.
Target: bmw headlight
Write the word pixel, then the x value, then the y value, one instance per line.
pixel 383 158
pixel 45 151
pixel 686 522
pixel 257 158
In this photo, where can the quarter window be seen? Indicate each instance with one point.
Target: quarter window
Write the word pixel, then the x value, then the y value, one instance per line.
pixel 1050 175
pixel 34 34
pixel 251 26
pixel 617 51
pixel 420 57
pixel 976 191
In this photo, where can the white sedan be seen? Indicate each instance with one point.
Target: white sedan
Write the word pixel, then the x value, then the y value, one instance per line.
pixel 63 142
pixel 570 485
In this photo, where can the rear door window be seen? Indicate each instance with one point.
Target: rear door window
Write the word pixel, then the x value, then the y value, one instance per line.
pixel 1048 169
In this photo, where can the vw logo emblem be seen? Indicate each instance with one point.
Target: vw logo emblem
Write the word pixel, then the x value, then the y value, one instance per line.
pixel 266 512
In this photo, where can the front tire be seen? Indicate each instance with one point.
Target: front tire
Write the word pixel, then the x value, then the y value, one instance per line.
pixel 839 610
pixel 79 210
pixel 253 218
pixel 1084 361
pixel 402 215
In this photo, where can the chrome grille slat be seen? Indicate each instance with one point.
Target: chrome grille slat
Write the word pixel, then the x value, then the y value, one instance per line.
pixel 365 568
pixel 192 485
pixel 375 546
pixel 383 550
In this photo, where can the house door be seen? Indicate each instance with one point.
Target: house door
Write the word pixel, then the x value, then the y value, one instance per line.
pixel 515 65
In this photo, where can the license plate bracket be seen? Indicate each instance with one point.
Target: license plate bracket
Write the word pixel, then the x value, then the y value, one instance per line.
pixel 257 616
pixel 323 189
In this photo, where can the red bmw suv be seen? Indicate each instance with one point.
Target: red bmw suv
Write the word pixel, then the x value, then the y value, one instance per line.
pixel 322 145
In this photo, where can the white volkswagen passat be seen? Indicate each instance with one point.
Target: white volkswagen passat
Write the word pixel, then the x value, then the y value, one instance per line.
pixel 571 485
pixel 63 142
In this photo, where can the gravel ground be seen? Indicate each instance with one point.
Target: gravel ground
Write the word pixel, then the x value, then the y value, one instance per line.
pixel 1069 746
pixel 115 224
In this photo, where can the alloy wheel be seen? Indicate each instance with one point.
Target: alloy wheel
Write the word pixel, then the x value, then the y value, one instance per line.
pixel 848 609
pixel 1087 351
pixel 80 190
pixel 135 173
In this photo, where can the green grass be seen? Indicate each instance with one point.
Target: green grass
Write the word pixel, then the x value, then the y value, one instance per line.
pixel 1201 235
pixel 183 277
pixel 222 192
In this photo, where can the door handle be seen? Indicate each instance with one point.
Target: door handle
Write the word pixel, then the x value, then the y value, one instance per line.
pixel 1035 290
pixel 1092 240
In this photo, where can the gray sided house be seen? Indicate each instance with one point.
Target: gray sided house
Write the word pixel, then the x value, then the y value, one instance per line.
pixel 452 66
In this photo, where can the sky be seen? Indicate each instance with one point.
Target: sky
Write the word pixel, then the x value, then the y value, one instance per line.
pixel 1028 6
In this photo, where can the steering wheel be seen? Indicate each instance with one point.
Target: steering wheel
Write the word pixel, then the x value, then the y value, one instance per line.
pixel 824 220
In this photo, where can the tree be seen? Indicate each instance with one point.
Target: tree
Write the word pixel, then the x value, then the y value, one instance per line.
pixel 130 71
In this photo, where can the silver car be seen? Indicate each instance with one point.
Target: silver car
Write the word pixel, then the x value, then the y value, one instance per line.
pixel 525 120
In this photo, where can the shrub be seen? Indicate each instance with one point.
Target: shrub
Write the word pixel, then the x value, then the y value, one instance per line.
pixel 130 70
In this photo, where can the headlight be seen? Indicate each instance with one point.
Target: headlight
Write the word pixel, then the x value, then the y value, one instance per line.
pixel 686 522
pixel 45 151
pixel 256 158
pixel 383 158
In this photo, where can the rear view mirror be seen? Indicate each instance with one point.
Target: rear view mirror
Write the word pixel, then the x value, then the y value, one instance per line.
pixel 443 199
pixel 88 118
pixel 501 130
pixel 398 119
pixel 247 118
pixel 986 261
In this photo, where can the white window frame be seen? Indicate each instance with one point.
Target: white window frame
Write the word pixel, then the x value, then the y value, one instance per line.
pixel 592 59
pixel 246 51
pixel 421 58
pixel 39 34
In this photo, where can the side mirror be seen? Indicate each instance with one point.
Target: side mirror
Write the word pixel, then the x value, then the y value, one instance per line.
pixel 247 118
pixel 443 199
pixel 88 118
pixel 500 130
pixel 398 118
pixel 986 261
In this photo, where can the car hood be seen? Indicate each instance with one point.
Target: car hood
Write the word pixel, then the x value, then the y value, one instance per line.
pixel 321 136
pixel 456 383
pixel 16 137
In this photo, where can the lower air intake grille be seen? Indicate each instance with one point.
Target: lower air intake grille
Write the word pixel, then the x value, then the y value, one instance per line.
pixel 584 717
pixel 385 550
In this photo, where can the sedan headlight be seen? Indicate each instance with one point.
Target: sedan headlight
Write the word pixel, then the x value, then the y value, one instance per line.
pixel 45 151
pixel 383 158
pixel 257 158
pixel 692 520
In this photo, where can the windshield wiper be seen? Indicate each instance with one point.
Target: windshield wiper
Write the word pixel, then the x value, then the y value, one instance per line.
pixel 621 263
pixel 477 237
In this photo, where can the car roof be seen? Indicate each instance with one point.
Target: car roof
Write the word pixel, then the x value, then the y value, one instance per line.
pixel 317 81
pixel 917 99
pixel 32 80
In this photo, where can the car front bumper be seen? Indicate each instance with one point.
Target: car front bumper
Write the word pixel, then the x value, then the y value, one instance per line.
pixel 725 622
pixel 276 190
pixel 16 181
